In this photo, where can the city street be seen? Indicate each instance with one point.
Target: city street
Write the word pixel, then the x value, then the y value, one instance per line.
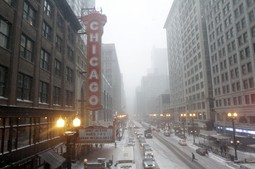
pixel 167 153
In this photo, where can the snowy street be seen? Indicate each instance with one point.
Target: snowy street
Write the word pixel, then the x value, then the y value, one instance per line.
pixel 167 153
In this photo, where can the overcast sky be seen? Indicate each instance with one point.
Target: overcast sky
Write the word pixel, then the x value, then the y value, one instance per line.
pixel 135 27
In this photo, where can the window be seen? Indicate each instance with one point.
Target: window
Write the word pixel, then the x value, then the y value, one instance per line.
pixel 29 14
pixel 251 82
pixel 57 68
pixel 3 80
pixel 235 101
pixel 245 84
pixel 247 99
pixel 43 92
pixel 251 16
pixel 253 31
pixel 26 48
pixel 46 31
pixel 4 34
pixel 250 2
pixel 47 8
pixel 252 98
pixel 249 67
pixel 10 2
pixel 239 100
pixel 69 98
pixel 24 87
pixel 60 22
pixel 45 57
pixel 69 74
pixel 247 52
pixel 70 35
pixel 70 54
pixel 244 70
pixel 59 43
pixel 238 86
pixel 56 95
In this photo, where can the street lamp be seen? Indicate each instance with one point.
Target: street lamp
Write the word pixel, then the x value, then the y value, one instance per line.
pixel 192 115
pixel 169 116
pixel 183 118
pixel 233 116
pixel 70 137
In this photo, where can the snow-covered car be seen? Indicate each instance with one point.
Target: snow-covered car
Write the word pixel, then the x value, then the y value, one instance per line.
pixel 182 142
pixel 149 163
pixel 148 152
pixel 202 151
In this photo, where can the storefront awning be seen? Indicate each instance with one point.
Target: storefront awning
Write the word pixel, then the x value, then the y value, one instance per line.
pixel 53 158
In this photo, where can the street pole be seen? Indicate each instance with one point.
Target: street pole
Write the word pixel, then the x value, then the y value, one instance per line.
pixel 69 136
pixel 193 130
pixel 184 128
pixel 234 137
pixel 233 117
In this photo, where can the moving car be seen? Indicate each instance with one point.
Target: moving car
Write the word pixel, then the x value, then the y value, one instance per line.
pixel 148 151
pixel 182 142
pixel 166 133
pixel 149 162
pixel 202 151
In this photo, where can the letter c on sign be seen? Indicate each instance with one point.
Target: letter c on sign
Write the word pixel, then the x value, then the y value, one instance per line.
pixel 93 61
pixel 94 25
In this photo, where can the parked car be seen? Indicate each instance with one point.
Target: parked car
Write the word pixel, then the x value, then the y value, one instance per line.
pixel 202 151
pixel 182 142
pixel 149 162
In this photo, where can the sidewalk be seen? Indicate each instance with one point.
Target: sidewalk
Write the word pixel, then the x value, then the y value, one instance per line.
pixel 242 156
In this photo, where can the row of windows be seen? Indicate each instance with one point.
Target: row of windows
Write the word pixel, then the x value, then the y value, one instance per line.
pixel 235 87
pixel 239 100
pixel 25 87
pixel 234 73
pixel 29 15
pixel 194 88
pixel 194 97
pixel 20 132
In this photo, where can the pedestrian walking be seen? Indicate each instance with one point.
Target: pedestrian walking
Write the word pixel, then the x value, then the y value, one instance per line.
pixel 193 157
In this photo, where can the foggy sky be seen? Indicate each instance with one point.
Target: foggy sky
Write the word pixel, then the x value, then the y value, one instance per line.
pixel 135 27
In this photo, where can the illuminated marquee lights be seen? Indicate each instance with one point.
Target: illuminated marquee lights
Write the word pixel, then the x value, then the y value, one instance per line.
pixel 94 23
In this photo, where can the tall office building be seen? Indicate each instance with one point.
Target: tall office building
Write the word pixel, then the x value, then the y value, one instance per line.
pixel 231 34
pixel 111 71
pixel 189 63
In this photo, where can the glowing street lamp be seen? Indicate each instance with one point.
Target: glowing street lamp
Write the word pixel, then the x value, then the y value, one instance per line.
pixel 233 116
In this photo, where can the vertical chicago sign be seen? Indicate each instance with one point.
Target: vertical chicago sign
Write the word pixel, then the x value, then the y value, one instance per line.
pixel 94 23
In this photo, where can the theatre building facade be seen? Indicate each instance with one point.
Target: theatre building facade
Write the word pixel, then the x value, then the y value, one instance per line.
pixel 37 86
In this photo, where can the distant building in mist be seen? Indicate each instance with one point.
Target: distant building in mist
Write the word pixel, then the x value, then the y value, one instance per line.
pixel 111 71
pixel 153 85
pixel 159 61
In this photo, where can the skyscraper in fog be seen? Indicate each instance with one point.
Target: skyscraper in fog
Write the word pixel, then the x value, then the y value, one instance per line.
pixel 231 39
pixel 189 64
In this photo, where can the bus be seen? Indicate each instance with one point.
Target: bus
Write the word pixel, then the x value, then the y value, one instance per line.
pixel 126 158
